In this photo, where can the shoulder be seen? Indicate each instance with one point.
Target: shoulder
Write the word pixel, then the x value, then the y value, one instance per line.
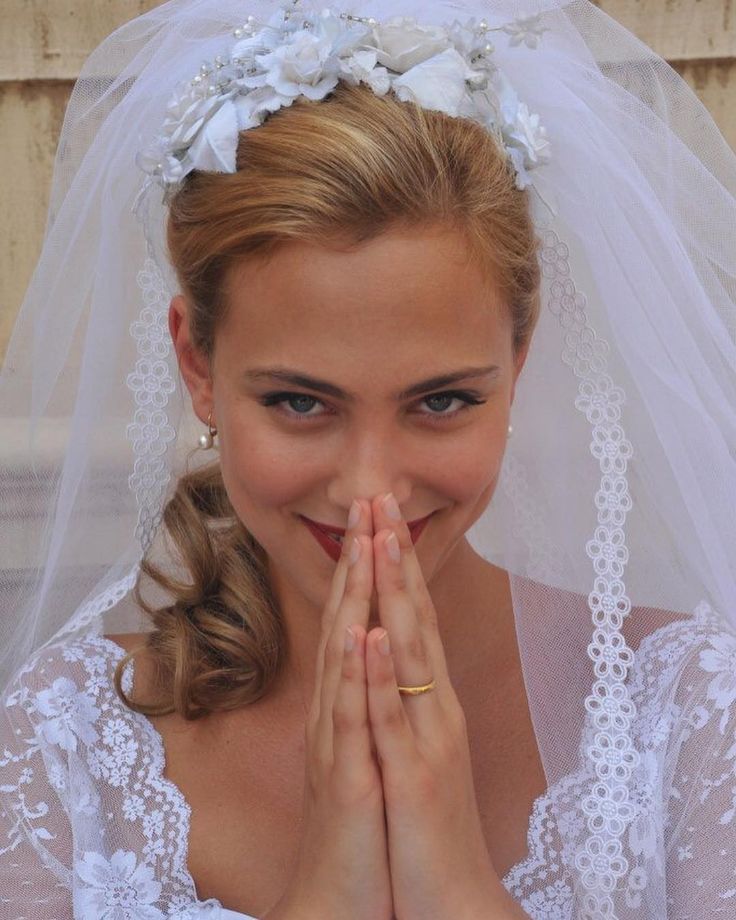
pixel 684 690
pixel 63 689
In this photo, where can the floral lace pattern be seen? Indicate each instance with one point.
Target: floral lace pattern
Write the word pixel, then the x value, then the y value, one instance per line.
pixel 129 823
pixel 114 837
pixel 152 384
pixel 610 755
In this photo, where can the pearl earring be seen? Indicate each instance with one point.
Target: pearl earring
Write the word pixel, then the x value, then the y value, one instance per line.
pixel 206 441
pixel 511 430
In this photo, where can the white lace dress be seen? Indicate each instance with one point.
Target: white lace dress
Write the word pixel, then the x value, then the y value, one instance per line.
pixel 90 828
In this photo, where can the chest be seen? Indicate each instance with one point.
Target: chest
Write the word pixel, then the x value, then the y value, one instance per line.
pixel 246 802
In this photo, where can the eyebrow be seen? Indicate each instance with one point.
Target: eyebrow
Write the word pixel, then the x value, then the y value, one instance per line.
pixel 296 378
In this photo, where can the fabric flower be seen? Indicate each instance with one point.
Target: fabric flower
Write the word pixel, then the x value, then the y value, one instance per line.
pixel 276 62
pixel 601 863
pixel 402 43
pixel 554 902
pixel 186 113
pixel 150 432
pixel 526 30
pixel 361 67
pixel 609 809
pixel 304 64
pixel 608 551
pixel 615 757
pixel 151 383
pixel 610 654
pixel 69 714
pixel 611 448
pixel 609 602
pixel 437 84
pixel 216 144
pixel 610 707
pixel 720 659
pixel 118 889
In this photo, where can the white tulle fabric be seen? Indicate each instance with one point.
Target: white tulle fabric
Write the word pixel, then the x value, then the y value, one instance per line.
pixel 96 832
pixel 614 515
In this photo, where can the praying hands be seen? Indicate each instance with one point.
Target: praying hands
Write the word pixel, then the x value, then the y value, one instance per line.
pixel 397 834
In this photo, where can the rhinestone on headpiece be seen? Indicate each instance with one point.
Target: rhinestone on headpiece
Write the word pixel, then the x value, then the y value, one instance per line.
pixel 274 62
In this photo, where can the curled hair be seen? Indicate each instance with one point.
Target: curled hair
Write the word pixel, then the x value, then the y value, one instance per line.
pixel 345 169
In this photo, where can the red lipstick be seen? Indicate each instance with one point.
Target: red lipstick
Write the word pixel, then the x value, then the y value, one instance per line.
pixel 333 548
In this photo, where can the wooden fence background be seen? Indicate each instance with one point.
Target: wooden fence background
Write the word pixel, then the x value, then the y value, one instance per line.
pixel 46 42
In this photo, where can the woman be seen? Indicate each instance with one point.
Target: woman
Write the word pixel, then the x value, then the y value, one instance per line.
pixel 369 228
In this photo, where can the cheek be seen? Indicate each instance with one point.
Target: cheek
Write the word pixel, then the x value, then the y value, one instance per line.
pixel 468 470
pixel 259 468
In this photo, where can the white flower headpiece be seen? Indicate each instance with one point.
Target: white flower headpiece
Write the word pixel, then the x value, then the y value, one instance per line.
pixel 297 53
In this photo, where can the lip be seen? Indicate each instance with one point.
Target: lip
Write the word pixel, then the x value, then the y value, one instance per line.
pixel 340 531
pixel 334 549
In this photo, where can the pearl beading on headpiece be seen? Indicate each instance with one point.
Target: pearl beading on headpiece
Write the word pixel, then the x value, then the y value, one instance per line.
pixel 275 62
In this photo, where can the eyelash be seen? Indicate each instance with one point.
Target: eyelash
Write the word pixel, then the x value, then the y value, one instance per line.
pixel 275 399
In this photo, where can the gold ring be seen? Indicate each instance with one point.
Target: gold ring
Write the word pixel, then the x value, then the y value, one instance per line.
pixel 415 691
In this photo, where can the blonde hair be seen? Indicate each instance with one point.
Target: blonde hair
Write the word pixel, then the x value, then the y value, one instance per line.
pixel 346 168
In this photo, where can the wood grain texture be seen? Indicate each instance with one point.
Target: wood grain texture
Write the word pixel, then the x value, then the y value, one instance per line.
pixel 47 41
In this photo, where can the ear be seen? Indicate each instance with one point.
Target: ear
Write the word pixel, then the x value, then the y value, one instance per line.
pixel 193 365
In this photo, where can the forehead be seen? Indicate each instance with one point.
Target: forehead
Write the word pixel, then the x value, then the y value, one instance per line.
pixel 403 295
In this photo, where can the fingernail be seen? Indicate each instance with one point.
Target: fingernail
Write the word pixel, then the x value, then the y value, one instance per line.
pixel 354 551
pixel 391 508
pixel 349 639
pixel 392 546
pixel 354 515
pixel 384 646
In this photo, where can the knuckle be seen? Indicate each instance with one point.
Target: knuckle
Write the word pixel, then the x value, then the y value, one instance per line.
pixel 394 719
pixel 350 673
pixel 413 647
pixel 428 619
pixel 344 720
pixel 361 790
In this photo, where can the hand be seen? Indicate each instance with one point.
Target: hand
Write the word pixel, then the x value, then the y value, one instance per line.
pixel 439 862
pixel 342 865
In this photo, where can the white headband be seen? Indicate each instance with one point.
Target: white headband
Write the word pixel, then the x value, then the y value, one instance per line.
pixel 299 53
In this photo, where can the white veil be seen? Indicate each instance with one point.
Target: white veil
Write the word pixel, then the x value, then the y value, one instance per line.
pixel 616 512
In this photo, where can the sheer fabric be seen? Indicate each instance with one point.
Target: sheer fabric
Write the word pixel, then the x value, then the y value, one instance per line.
pixel 94 830
pixel 616 497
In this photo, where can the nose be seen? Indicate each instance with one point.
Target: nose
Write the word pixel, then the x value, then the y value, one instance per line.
pixel 372 466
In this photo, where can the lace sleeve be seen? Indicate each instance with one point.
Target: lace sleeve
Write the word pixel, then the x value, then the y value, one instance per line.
pixel 35 831
pixel 701 833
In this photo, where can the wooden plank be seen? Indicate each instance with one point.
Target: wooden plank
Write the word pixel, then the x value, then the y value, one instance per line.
pixel 715 84
pixel 31 117
pixel 32 113
pixel 50 39
pixel 679 30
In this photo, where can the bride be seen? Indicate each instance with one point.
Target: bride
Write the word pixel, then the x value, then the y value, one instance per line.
pixel 386 643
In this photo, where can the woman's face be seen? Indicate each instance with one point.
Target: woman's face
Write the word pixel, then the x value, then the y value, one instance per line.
pixel 369 323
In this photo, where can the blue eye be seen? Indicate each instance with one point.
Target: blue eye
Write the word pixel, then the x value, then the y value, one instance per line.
pixel 277 399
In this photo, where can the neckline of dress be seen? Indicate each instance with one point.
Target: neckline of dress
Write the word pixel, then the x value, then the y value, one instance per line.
pixel 538 806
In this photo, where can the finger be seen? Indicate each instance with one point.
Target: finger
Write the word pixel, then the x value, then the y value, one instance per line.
pixel 398 614
pixel 337 591
pixel 351 736
pixel 353 608
pixel 390 722
pixel 416 590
